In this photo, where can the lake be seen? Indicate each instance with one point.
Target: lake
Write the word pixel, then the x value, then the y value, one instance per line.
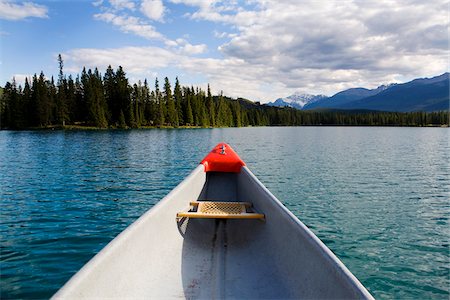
pixel 377 197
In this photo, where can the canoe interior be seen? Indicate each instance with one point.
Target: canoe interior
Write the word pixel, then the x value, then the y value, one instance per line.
pixel 158 257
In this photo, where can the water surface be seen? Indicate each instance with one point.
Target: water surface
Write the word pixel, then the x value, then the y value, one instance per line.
pixel 377 197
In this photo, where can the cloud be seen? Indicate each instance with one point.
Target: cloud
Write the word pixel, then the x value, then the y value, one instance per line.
pixel 97 2
pixel 14 12
pixel 135 60
pixel 322 47
pixel 270 49
pixel 182 46
pixel 130 24
pixel 122 4
pixel 153 9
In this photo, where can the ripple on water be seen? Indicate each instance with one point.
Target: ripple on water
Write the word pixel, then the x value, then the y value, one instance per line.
pixel 378 197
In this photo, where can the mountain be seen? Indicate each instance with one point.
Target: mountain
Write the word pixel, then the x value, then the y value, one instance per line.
pixel 345 97
pixel 297 100
pixel 424 94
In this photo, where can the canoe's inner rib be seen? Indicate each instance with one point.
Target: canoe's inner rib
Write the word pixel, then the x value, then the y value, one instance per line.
pixel 220 210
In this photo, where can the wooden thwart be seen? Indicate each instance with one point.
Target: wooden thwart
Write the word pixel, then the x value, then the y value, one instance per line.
pixel 220 210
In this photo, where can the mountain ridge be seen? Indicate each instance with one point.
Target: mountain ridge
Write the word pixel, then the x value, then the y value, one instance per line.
pixel 296 100
pixel 420 94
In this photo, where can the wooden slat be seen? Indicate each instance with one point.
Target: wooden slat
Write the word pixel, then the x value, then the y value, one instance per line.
pixel 196 203
pixel 220 210
pixel 220 216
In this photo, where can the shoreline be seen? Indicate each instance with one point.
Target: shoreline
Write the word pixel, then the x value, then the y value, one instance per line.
pixel 93 128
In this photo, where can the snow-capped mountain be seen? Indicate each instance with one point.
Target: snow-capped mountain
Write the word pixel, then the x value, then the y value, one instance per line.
pixel 421 94
pixel 297 100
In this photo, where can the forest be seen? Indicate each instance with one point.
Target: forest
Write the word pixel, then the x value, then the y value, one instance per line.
pixel 110 101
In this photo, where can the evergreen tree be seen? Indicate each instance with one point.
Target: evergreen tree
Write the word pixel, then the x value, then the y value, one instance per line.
pixel 26 98
pixel 71 100
pixel 100 102
pixel 61 106
pixel 111 97
pixel 178 101
pixel 172 115
pixel 236 109
pixel 150 105
pixel 94 98
pixel 160 118
pixel 80 107
pixel 41 102
pixel 211 109
pixel 224 117
pixel 14 116
pixel 52 94
pixel 202 110
pixel 123 96
pixel 189 115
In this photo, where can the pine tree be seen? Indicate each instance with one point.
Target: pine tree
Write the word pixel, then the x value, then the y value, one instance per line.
pixel 150 105
pixel 172 115
pixel 94 98
pixel 41 101
pixel 223 117
pixel 236 109
pixel 189 115
pixel 71 100
pixel 61 106
pixel 153 109
pixel 202 110
pixel 80 107
pixel 160 119
pixel 109 81
pixel 123 96
pixel 27 103
pixel 52 95
pixel 14 117
pixel 211 108
pixel 100 102
pixel 178 101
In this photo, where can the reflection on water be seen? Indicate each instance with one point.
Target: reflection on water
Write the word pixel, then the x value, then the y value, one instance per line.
pixel 378 197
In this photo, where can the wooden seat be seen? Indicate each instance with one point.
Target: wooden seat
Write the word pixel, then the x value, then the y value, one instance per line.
pixel 220 210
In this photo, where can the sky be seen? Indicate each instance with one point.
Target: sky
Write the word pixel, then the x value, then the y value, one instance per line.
pixel 257 49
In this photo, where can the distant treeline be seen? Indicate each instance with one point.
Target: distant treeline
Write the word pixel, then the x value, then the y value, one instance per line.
pixel 109 101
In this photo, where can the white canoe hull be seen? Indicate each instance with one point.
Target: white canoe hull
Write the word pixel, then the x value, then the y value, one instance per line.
pixel 160 258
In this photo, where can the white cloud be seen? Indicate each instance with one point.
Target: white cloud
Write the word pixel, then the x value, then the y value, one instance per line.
pixel 97 3
pixel 153 9
pixel 122 4
pixel 129 24
pixel 138 61
pixel 182 46
pixel 323 47
pixel 276 48
pixel 190 49
pixel 222 35
pixel 13 11
pixel 140 27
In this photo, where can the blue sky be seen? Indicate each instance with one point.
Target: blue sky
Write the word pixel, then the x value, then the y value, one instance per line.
pixel 260 50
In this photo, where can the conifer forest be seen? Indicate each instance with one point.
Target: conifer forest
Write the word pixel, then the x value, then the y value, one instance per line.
pixel 111 101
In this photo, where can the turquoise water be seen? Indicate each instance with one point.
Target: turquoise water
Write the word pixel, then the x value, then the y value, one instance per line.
pixel 377 197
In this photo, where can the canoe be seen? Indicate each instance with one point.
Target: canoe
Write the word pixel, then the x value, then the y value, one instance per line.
pixel 219 234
